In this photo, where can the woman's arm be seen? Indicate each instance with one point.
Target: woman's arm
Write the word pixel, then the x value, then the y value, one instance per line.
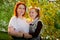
pixel 12 32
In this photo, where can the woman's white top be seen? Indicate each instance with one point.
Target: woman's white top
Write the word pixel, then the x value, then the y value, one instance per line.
pixel 19 24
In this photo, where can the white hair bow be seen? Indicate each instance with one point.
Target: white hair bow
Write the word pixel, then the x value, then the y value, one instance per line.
pixel 34 7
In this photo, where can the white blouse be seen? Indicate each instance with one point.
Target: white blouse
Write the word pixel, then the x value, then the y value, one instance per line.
pixel 19 24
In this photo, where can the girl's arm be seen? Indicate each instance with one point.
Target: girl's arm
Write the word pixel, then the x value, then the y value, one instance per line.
pixel 38 29
pixel 36 33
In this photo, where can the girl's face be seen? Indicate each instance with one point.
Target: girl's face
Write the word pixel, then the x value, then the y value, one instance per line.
pixel 33 13
pixel 21 10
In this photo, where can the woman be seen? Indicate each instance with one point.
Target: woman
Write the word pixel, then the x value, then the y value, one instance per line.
pixel 35 25
pixel 18 25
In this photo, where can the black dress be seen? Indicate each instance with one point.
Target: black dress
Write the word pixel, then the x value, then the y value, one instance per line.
pixel 34 30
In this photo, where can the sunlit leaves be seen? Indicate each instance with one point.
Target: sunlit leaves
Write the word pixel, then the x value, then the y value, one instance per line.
pixel 49 15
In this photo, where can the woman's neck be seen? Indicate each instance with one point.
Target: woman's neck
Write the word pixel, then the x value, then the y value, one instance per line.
pixel 20 17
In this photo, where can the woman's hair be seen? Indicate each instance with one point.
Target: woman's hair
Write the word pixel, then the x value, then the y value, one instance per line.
pixel 16 6
pixel 38 12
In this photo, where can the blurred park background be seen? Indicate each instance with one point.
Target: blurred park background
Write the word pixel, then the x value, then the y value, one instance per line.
pixel 49 15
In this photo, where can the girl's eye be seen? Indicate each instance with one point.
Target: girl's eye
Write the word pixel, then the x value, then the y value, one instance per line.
pixel 31 12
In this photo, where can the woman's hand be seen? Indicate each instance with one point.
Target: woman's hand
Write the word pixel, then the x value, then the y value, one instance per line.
pixel 27 35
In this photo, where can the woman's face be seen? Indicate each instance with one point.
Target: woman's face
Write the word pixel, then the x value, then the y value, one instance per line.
pixel 21 10
pixel 33 13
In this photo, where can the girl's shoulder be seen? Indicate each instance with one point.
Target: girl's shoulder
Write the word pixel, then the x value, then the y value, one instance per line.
pixel 40 23
pixel 40 20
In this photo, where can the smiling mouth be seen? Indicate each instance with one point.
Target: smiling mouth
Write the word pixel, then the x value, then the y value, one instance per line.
pixel 21 12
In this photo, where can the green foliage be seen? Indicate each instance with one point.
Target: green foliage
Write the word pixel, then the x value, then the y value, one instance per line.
pixel 49 14
pixel 5 35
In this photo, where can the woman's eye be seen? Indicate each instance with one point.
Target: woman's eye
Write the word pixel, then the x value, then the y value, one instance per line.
pixel 23 8
pixel 19 8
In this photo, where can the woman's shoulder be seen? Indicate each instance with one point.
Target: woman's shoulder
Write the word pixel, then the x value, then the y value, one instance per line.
pixel 13 18
pixel 24 18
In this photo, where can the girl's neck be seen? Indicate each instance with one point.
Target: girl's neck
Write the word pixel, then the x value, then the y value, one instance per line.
pixel 35 18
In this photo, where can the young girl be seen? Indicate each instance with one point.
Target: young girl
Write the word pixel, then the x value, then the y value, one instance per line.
pixel 35 25
pixel 18 25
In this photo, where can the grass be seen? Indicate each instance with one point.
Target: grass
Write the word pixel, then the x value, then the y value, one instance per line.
pixel 4 36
